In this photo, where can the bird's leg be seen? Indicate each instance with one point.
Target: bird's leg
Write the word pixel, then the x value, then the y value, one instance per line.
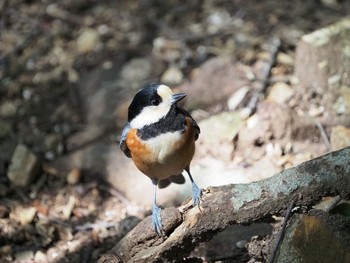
pixel 197 192
pixel 156 219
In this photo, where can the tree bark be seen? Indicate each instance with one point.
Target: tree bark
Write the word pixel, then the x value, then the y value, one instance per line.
pixel 235 204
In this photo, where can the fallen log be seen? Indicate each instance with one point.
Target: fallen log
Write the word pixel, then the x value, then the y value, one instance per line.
pixel 222 206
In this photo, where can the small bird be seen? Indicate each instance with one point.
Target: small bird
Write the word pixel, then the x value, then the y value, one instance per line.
pixel 160 138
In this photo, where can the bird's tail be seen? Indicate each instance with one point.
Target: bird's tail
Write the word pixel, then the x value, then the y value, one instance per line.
pixel 177 179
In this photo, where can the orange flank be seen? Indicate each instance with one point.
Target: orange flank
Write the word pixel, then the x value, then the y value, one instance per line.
pixel 161 160
pixel 140 153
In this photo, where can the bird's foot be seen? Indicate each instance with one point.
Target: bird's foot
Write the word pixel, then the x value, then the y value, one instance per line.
pixel 157 220
pixel 197 193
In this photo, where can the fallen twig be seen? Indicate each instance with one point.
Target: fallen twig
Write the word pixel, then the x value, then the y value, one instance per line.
pixel 261 86
pixel 281 234
pixel 323 135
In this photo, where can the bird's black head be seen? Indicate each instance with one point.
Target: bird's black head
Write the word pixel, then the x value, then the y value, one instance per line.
pixel 147 96
pixel 150 104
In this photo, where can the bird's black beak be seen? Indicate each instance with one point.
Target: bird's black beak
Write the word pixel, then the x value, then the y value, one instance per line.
pixel 177 97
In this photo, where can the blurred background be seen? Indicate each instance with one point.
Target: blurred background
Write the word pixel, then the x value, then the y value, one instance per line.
pixel 69 69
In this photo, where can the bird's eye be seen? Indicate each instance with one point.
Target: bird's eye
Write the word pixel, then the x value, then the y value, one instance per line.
pixel 155 102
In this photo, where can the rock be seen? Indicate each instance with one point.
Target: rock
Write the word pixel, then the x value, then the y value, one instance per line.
pixel 218 20
pixel 340 137
pixel 167 49
pixel 24 256
pixel 231 240
pixel 212 83
pixel 40 257
pixel 73 176
pixel 316 238
pixel 24 168
pixel 5 251
pixel 172 76
pixel 285 59
pixel 23 215
pixel 8 109
pixel 322 67
pixel 67 209
pixel 5 128
pixel 65 232
pixel 46 230
pixel 88 40
pixel 237 98
pixel 280 93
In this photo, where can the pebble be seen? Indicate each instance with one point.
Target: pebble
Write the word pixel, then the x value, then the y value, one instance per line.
pixel 24 168
pixel 40 257
pixel 280 93
pixel 236 99
pixel 172 76
pixel 23 215
pixel 5 250
pixel 8 109
pixel 24 256
pixel 166 49
pixel 285 59
pixel 88 40
pixel 73 177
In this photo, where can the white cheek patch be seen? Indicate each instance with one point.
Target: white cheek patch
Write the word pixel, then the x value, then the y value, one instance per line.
pixel 162 145
pixel 149 115
pixel 165 93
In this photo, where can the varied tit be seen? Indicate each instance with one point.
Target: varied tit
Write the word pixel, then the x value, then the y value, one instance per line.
pixel 160 138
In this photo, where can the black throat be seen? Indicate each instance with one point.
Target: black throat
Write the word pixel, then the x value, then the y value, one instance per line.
pixel 172 122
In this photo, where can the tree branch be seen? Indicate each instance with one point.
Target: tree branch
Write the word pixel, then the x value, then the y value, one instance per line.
pixel 236 204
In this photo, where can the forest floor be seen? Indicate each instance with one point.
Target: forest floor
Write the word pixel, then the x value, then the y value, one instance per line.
pixel 49 53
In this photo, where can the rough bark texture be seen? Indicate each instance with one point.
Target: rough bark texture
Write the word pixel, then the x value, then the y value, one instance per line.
pixel 235 204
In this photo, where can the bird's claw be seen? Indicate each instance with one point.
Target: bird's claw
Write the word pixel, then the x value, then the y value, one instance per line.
pixel 197 193
pixel 157 220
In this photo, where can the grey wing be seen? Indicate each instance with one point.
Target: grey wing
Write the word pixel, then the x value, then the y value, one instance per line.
pixel 122 143
pixel 196 127
pixel 193 122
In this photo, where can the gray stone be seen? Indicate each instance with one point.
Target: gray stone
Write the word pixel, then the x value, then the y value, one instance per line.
pixel 24 256
pixel 213 83
pixel 5 128
pixel 24 168
pixel 87 40
pixel 8 109
pixel 315 238
pixel 172 76
pixel 280 93
pixel 322 67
